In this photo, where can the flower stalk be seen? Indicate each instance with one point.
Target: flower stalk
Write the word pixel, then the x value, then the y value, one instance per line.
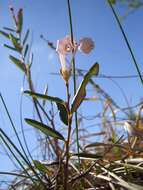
pixel 68 139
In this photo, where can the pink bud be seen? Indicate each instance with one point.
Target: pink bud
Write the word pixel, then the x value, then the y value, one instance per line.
pixel 86 45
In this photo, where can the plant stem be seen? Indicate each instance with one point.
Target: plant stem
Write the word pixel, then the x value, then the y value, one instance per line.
pixel 127 42
pixel 68 96
pixel 74 75
pixel 13 125
pixel 68 139
pixel 67 156
pixel 72 39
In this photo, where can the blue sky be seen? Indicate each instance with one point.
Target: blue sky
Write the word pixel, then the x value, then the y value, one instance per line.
pixel 91 18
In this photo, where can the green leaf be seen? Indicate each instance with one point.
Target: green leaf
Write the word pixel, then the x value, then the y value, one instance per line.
pixel 113 2
pixel 15 42
pixel 59 102
pixel 9 47
pixel 45 129
pixel 41 167
pixel 26 50
pixel 96 144
pixel 63 113
pixel 81 92
pixel 19 20
pixel 18 63
pixel 9 29
pixel 45 97
pixel 26 36
pixel 4 34
pixel 87 155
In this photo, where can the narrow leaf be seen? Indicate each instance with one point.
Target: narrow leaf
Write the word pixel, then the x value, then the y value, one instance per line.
pixel 26 36
pixel 19 20
pixel 81 92
pixel 26 50
pixel 9 47
pixel 59 102
pixel 87 155
pixel 15 42
pixel 4 34
pixel 40 166
pixel 113 2
pixel 99 90
pixel 95 144
pixel 9 29
pixel 18 63
pixel 45 129
pixel 44 97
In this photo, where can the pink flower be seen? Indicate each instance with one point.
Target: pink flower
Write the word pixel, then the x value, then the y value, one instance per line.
pixel 86 45
pixel 65 45
pixel 64 49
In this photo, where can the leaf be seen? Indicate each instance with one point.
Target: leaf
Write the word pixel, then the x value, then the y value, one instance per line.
pixel 40 166
pixel 19 20
pixel 9 29
pixel 15 42
pixel 45 129
pixel 99 90
pixel 18 63
pixel 59 102
pixel 95 144
pixel 4 34
pixel 44 97
pixel 26 36
pixel 26 50
pixel 87 155
pixel 81 92
pixel 9 47
pixel 113 2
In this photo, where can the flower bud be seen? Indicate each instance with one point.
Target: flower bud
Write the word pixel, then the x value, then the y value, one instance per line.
pixel 65 68
pixel 66 74
pixel 86 45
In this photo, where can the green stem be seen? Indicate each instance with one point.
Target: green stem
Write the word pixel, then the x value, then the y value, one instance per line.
pixel 72 39
pixel 2 136
pixel 13 126
pixel 67 156
pixel 127 42
pixel 68 139
pixel 14 174
pixel 13 154
pixel 74 74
